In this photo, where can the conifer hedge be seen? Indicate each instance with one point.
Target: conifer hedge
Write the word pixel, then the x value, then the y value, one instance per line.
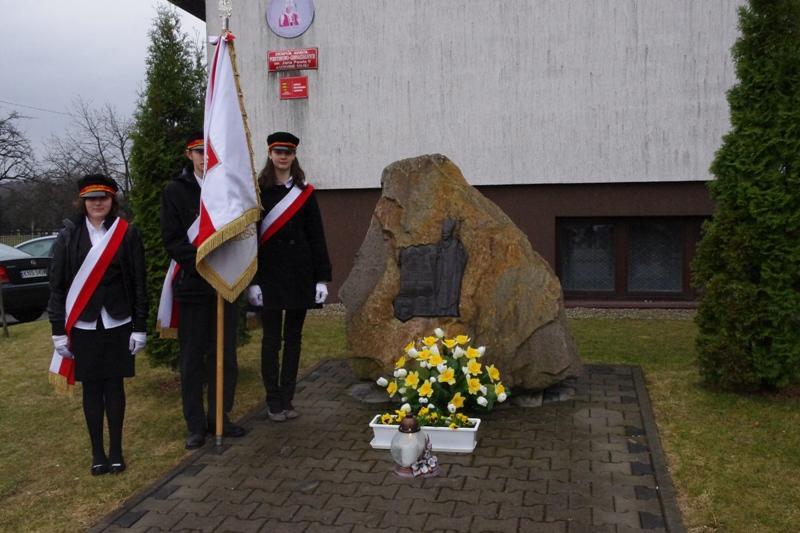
pixel 170 107
pixel 748 262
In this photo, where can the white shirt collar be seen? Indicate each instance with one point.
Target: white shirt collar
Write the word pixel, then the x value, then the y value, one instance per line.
pixel 199 180
pixel 95 234
pixel 289 183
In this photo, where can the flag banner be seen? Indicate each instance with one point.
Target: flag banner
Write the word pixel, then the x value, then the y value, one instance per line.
pixel 167 316
pixel 85 282
pixel 283 212
pixel 227 242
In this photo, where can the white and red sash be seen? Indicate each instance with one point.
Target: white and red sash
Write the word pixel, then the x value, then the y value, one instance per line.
pixel 167 316
pixel 86 280
pixel 283 211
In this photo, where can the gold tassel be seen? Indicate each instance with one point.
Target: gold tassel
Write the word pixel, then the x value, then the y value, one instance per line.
pixel 60 384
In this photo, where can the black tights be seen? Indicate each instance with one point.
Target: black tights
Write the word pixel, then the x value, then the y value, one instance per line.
pixel 104 396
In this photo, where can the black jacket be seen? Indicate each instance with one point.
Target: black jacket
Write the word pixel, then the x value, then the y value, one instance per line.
pixel 180 204
pixel 122 291
pixel 293 260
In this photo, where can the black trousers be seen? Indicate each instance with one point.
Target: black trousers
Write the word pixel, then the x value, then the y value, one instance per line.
pixel 197 332
pixel 280 379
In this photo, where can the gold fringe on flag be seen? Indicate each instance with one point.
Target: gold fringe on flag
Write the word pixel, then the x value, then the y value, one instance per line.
pixel 60 384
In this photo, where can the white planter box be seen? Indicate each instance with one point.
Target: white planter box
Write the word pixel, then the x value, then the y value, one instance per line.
pixel 459 440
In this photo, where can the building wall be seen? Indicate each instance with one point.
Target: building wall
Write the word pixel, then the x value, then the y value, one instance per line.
pixel 513 91
pixel 533 208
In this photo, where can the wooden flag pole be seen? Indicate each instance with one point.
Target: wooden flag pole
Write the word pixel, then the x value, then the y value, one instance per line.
pixel 220 350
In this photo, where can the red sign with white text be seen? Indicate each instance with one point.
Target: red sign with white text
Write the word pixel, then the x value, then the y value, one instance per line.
pixel 292 59
pixel 294 87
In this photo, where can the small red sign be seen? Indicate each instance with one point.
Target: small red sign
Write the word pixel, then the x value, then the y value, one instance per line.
pixel 294 87
pixel 292 59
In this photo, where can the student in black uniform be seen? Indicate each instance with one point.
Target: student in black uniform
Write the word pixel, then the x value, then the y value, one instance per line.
pixel 102 333
pixel 197 306
pixel 293 269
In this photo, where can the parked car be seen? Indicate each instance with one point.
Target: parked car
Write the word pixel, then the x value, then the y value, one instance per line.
pixel 24 281
pixel 38 247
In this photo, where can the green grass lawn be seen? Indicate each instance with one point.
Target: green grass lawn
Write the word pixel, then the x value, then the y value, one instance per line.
pixel 735 459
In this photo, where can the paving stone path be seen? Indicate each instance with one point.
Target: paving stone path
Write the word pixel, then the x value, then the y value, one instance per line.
pixel 587 459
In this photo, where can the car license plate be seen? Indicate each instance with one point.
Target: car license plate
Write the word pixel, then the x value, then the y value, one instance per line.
pixel 35 273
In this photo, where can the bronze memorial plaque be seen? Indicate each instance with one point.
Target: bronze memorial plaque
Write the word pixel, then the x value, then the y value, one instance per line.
pixel 430 276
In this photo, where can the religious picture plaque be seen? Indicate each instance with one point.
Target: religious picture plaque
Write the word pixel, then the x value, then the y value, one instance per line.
pixel 430 277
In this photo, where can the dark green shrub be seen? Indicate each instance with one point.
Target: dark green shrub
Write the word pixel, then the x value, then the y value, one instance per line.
pixel 169 108
pixel 748 263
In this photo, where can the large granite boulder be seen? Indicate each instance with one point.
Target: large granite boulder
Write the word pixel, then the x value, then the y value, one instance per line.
pixel 510 299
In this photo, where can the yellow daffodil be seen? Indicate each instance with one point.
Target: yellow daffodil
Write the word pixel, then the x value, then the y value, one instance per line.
pixel 462 417
pixel 424 355
pixel 474 385
pixel 462 339
pixel 426 389
pixel 400 362
pixel 452 425
pixel 448 376
pixel 424 411
pixel 387 419
pixel 473 353
pixel 450 343
pixel 494 374
pixel 457 400
pixel 429 341
pixel 391 388
pixel 474 367
pixel 409 346
pixel 499 389
pixel 399 414
pixel 435 360
pixel 412 380
pixel 434 416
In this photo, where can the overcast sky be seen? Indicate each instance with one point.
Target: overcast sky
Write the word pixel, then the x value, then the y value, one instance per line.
pixel 57 50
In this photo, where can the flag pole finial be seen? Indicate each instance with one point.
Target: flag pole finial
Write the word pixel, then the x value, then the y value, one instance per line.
pixel 225 10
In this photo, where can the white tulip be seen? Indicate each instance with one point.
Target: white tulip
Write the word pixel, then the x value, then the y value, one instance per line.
pixel 465 370
pixel 458 352
pixel 483 390
pixel 482 401
pixel 423 399
pixel 441 367
pixel 501 397
pixel 402 390
pixel 400 373
pixel 432 379
pixel 451 407
pixel 482 350
pixel 434 350
pixel 382 382
pixel 403 399
pixel 412 353
pixel 439 332
pixel 406 408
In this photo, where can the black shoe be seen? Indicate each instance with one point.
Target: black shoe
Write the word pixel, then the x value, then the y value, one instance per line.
pixel 195 440
pixel 229 429
pixel 99 469
pixel 117 468
pixel 234 431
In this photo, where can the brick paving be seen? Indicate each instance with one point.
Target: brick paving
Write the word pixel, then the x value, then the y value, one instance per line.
pixel 587 459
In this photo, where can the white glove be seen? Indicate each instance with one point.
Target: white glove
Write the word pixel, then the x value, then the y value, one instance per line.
pixel 322 293
pixel 61 343
pixel 254 296
pixel 137 341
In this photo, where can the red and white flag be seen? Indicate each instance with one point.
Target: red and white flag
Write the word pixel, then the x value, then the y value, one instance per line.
pixel 227 242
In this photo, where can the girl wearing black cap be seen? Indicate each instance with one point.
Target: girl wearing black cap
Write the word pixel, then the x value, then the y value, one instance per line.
pixel 98 310
pixel 293 268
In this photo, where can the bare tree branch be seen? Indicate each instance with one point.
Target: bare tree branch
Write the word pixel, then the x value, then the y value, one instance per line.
pixel 16 154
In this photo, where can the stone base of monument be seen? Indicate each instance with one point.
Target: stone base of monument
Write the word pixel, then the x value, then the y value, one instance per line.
pixel 459 440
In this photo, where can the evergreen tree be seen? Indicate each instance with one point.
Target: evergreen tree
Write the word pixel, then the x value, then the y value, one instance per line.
pixel 169 109
pixel 748 263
